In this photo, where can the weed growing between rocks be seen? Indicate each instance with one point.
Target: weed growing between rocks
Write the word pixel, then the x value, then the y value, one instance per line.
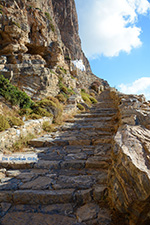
pixel 3 123
pixel 81 107
pixel 87 98
pixel 22 143
pixel 48 127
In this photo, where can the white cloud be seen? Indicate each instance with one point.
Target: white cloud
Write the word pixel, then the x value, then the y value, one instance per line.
pixel 139 86
pixel 109 26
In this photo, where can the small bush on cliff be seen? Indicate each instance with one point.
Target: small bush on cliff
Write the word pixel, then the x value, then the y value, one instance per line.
pixel 3 123
pixel 14 121
pixel 50 20
pixel 52 106
pixel 92 99
pixel 87 98
pixel 22 142
pixel 80 107
pixel 48 127
pixel 41 111
pixel 61 98
pixel 14 94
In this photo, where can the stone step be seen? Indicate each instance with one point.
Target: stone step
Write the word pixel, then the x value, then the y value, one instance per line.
pixel 89 120
pixel 99 109
pixel 56 214
pixel 44 142
pixel 95 115
pixel 87 127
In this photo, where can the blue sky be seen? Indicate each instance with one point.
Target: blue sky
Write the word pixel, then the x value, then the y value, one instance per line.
pixel 115 36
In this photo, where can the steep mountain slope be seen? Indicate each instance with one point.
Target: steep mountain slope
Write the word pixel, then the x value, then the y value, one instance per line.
pixel 39 45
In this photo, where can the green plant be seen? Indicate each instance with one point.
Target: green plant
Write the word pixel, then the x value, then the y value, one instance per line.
pixel 93 100
pixel 52 27
pixel 81 107
pixel 39 9
pixel 52 71
pixel 48 16
pixel 14 121
pixel 50 105
pixel 33 116
pixel 41 111
pixel 22 142
pixel 67 58
pixel 14 94
pixel 50 19
pixel 16 24
pixel 48 127
pixel 1 7
pixel 61 98
pixel 26 111
pixel 72 77
pixel 83 90
pixel 3 123
pixel 63 70
pixel 85 98
pixel 71 91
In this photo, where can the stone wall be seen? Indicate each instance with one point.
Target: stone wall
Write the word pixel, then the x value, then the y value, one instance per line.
pixel 129 174
pixel 12 135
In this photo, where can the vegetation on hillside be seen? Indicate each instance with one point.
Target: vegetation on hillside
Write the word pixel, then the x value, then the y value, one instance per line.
pixel 27 109
pixel 14 94
pixel 88 99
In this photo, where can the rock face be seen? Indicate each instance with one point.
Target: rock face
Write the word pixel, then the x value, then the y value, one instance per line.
pixel 39 42
pixel 129 175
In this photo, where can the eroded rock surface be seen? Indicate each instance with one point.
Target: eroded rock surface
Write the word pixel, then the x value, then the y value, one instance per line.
pixel 129 175
pixel 39 42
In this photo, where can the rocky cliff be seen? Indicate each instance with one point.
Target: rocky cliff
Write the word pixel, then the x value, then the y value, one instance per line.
pixel 39 45
pixel 129 173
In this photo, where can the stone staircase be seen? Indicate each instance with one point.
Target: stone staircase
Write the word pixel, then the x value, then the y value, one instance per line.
pixel 68 184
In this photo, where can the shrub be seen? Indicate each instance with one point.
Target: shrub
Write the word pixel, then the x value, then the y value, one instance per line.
pixel 48 16
pixel 41 111
pixel 48 127
pixel 3 123
pixel 61 98
pixel 87 98
pixel 22 142
pixel 64 89
pixel 51 105
pixel 14 94
pixel 92 94
pixel 93 100
pixel 14 121
pixel 81 107
pixel 50 19
pixel 33 116
pixel 27 111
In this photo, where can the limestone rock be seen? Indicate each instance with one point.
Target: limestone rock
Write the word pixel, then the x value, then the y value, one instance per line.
pixel 129 175
pixel 49 30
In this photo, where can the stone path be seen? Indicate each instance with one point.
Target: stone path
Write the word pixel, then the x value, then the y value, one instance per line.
pixel 68 184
